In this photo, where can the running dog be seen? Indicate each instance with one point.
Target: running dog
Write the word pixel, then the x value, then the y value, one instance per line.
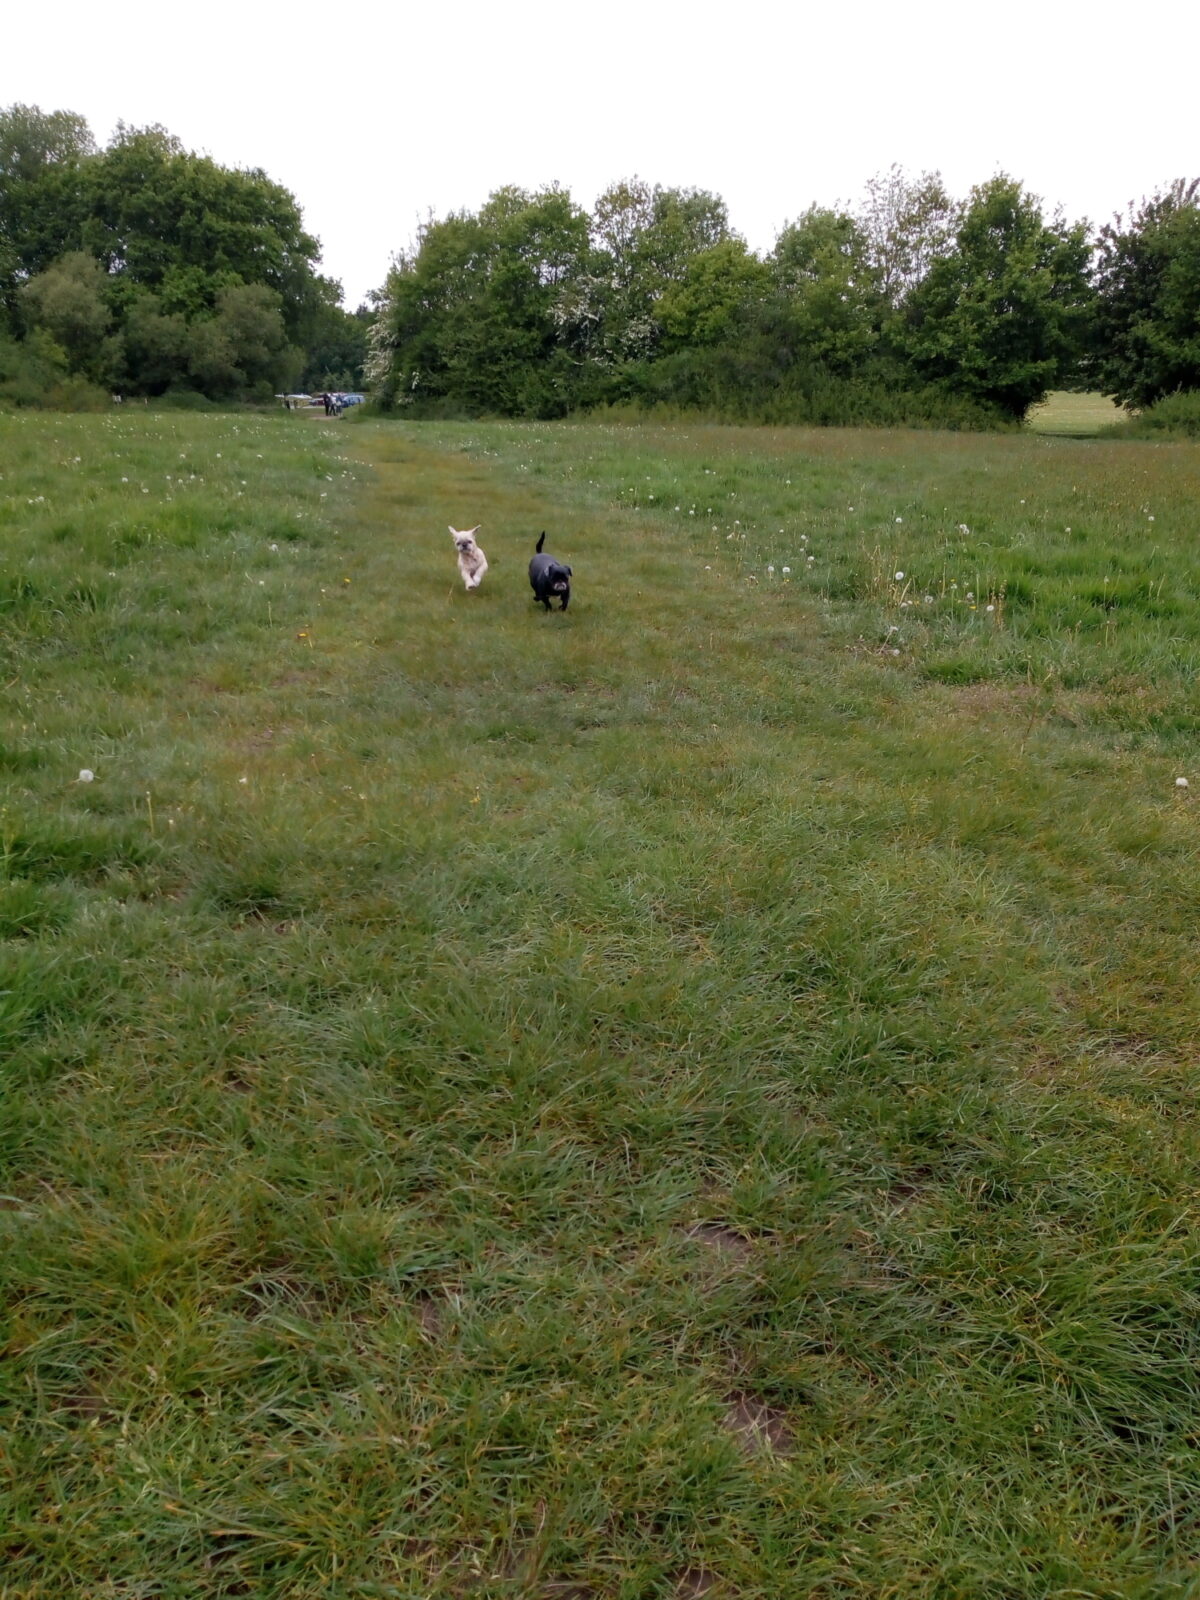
pixel 549 577
pixel 472 562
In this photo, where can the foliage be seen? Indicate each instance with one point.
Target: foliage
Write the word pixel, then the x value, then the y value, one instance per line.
pixel 908 224
pixel 653 300
pixel 140 260
pixel 1002 315
pixel 706 303
pixel 68 300
pixel 831 297
pixel 1147 340
pixel 1177 414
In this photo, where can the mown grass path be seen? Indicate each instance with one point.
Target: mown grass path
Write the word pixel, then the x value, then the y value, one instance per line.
pixel 695 1095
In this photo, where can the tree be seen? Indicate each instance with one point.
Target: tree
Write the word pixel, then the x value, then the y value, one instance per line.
pixel 1147 334
pixel 243 348
pixel 67 300
pixel 643 240
pixel 42 154
pixel 703 305
pixel 832 302
pixel 179 224
pixel 908 224
pixel 1002 316
pixel 469 316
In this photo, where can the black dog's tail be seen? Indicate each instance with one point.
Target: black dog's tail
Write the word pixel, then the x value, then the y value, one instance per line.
pixel 540 543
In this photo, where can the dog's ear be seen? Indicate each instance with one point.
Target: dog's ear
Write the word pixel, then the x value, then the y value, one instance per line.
pixel 568 572
pixel 453 532
pixel 473 531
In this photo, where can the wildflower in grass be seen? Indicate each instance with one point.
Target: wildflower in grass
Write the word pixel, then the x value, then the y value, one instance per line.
pixel 770 569
pixel 991 608
pixel 899 576
pixel 787 572
pixel 899 519
pixel 1180 783
pixel 962 528
pixel 86 775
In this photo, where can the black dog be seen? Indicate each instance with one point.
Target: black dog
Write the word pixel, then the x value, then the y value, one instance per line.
pixel 549 577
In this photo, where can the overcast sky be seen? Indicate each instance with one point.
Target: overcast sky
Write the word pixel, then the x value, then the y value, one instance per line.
pixel 375 114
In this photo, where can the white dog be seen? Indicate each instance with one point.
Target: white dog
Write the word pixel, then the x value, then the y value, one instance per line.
pixel 472 562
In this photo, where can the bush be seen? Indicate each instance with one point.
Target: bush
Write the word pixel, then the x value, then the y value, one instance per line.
pixel 33 374
pixel 1177 414
pixel 729 387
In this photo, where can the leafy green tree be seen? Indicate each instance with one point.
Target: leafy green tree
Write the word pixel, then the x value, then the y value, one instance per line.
pixel 1003 315
pixel 42 155
pixel 643 239
pixel 336 348
pixel 243 348
pixel 68 301
pixel 705 304
pixel 1147 334
pixel 179 224
pixel 833 305
pixel 157 344
pixel 469 318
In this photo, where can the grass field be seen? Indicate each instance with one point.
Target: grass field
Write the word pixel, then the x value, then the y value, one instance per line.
pixel 1074 415
pixel 695 1096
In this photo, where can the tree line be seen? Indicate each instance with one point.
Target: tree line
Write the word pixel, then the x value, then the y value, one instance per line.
pixel 912 305
pixel 146 269
pixel 143 268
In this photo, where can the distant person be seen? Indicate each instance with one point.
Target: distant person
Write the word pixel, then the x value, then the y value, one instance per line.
pixel 327 400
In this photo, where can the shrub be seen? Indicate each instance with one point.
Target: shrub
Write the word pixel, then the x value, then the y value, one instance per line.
pixel 1177 414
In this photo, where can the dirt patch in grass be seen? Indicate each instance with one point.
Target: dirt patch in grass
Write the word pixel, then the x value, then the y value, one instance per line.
pixel 757 1426
pixel 432 1314
pixel 694 1582
pixel 721 1241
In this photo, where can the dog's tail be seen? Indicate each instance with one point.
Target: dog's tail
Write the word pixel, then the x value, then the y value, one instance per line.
pixel 540 543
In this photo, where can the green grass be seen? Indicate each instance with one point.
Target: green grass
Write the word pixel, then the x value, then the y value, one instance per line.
pixel 1079 416
pixel 702 1087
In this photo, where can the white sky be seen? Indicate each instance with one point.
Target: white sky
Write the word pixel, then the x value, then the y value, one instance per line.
pixel 375 113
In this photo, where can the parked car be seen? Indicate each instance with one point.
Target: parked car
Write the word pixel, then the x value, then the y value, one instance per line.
pixel 351 399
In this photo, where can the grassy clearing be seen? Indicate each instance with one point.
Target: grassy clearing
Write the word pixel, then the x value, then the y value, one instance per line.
pixel 1078 416
pixel 695 1095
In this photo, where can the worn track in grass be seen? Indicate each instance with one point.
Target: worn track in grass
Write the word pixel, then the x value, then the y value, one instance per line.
pixel 666 1099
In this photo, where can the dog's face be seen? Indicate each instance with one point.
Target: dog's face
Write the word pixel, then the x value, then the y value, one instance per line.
pixel 464 542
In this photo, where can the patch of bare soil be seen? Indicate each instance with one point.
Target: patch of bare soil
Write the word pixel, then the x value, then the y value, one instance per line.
pixel 694 1582
pixel 757 1426
pixel 722 1241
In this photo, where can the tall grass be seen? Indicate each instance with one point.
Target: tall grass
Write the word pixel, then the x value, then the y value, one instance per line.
pixel 612 1104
